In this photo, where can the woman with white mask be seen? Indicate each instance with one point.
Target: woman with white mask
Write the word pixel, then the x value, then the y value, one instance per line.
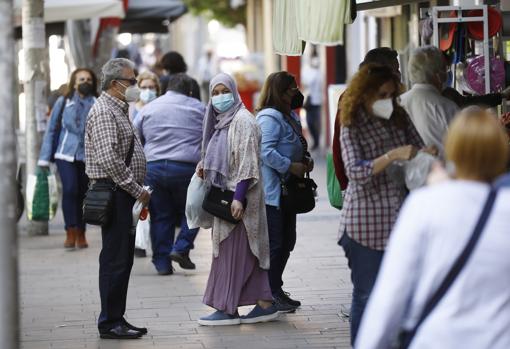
pixel 148 83
pixel 375 133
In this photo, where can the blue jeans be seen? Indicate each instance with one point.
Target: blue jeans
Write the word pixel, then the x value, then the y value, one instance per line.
pixel 281 227
pixel 364 264
pixel 74 187
pixel 169 181
pixel 116 261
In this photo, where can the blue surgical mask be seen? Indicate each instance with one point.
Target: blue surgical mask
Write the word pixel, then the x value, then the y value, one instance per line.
pixel 223 102
pixel 147 95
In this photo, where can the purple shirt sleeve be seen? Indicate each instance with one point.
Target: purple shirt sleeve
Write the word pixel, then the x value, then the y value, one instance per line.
pixel 241 189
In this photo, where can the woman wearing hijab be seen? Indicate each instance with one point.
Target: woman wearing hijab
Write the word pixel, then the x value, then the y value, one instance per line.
pixel 230 160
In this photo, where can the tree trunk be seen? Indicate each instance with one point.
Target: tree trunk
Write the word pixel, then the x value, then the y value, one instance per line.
pixel 9 320
pixel 35 82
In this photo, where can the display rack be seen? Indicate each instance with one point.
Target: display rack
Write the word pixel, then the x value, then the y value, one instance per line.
pixel 436 20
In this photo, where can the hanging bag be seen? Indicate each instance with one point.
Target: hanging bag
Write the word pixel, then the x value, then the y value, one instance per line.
pixel 99 200
pixel 334 191
pixel 42 195
pixel 298 194
pixel 218 202
pixel 196 216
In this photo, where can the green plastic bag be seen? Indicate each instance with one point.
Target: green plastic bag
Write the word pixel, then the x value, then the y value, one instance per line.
pixel 334 191
pixel 42 196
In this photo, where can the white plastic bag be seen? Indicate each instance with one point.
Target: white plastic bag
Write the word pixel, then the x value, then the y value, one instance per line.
pixel 417 170
pixel 143 239
pixel 195 214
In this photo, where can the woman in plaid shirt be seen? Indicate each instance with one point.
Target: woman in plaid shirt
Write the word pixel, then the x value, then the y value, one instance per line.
pixel 376 132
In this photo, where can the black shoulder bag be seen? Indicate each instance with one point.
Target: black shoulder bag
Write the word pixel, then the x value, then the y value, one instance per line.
pixel 406 336
pixel 298 194
pixel 99 200
pixel 218 202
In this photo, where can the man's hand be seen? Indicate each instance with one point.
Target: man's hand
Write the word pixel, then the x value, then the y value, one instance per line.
pixel 298 169
pixel 200 170
pixel 144 198
pixel 237 209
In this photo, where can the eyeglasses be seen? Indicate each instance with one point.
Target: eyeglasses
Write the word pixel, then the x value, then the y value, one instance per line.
pixel 131 81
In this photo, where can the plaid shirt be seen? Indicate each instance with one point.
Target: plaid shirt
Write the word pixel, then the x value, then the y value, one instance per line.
pixel 108 136
pixel 372 202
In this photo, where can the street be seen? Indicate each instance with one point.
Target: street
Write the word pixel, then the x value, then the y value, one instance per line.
pixel 60 299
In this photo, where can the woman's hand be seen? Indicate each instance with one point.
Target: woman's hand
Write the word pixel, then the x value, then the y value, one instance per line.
pixel 309 164
pixel 200 170
pixel 237 209
pixel 403 153
pixel 431 149
pixel 298 169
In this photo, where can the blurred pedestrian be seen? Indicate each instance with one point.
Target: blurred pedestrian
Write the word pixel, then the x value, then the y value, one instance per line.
pixel 114 155
pixel 173 63
pixel 64 143
pixel 375 133
pixel 231 160
pixel 427 240
pixel 171 133
pixel 428 109
pixel 148 83
pixel 206 71
pixel 284 154
pixel 312 80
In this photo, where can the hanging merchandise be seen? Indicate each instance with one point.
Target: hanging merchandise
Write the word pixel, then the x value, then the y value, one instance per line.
pixel 322 21
pixel 475 74
pixel 447 32
pixel 286 39
pixel 495 22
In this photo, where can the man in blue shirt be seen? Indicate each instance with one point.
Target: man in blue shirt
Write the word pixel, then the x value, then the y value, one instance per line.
pixel 170 128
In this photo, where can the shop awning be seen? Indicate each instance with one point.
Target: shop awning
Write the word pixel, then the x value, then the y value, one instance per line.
pixel 152 16
pixel 62 10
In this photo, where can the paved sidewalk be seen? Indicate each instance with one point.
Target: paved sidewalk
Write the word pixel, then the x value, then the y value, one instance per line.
pixel 60 298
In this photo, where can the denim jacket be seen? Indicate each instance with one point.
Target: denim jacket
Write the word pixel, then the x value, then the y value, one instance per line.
pixel 280 147
pixel 71 144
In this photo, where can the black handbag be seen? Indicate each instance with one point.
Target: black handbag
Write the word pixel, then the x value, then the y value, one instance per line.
pixel 298 194
pixel 99 199
pixel 218 202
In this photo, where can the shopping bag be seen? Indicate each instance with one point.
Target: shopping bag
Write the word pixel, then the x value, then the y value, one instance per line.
pixel 143 238
pixel 195 214
pixel 42 195
pixel 334 191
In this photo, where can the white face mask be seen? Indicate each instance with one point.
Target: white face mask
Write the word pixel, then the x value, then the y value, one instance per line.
pixel 132 93
pixel 383 108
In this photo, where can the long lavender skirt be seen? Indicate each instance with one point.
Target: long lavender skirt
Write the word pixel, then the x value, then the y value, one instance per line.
pixel 236 278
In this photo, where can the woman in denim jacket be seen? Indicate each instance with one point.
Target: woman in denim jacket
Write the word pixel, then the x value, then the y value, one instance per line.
pixel 282 154
pixel 64 143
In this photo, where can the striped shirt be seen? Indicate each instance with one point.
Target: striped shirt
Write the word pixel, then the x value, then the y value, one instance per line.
pixel 372 202
pixel 108 136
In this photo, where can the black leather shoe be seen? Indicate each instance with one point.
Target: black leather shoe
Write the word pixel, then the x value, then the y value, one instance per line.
pixel 183 260
pixel 286 297
pixel 120 332
pixel 142 330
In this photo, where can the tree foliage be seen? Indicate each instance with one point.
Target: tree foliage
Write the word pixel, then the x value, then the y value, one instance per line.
pixel 219 10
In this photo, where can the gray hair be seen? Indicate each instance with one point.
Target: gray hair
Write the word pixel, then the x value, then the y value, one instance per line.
pixel 180 83
pixel 425 63
pixel 113 69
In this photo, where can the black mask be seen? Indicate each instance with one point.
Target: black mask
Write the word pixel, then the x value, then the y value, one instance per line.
pixel 297 100
pixel 85 89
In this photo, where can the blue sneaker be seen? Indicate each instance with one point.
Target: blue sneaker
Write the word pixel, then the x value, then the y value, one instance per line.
pixel 219 318
pixel 259 314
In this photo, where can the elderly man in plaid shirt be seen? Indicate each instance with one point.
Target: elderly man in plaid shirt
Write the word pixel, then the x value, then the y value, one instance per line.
pixel 110 141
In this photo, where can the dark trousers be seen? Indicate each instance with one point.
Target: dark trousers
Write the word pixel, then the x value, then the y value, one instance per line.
pixel 364 264
pixel 169 181
pixel 313 119
pixel 116 261
pixel 74 186
pixel 282 239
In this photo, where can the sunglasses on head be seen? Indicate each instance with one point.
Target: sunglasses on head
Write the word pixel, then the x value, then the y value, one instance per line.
pixel 131 81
